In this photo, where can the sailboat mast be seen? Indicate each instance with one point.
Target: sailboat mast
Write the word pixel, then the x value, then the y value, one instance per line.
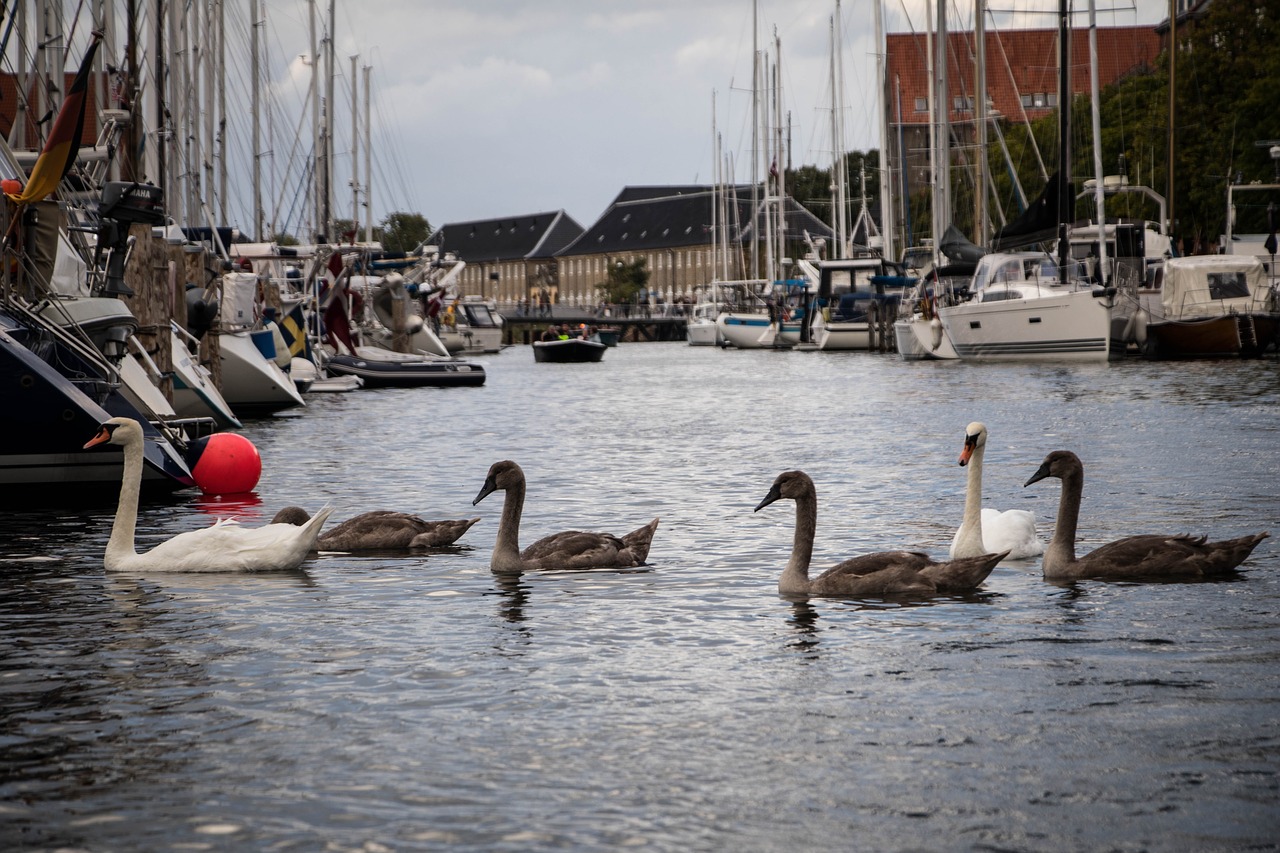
pixel 331 72
pixel 256 88
pixel 1173 52
pixel 317 144
pixel 1064 138
pixel 222 113
pixel 889 249
pixel 1098 194
pixel 755 140
pixel 715 191
pixel 780 151
pixel 980 117
pixel 368 159
pixel 355 146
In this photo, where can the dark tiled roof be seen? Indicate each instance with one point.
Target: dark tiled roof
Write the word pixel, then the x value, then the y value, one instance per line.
pixel 646 218
pixel 536 235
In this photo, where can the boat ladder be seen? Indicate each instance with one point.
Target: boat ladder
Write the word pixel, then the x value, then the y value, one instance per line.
pixel 1246 333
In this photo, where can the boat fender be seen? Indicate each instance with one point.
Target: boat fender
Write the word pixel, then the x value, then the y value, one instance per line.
pixel 935 326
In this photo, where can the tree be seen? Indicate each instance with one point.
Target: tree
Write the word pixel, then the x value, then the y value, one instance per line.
pixel 1225 104
pixel 625 281
pixel 404 232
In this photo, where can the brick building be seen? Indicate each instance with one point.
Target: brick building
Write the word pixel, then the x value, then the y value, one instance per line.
pixel 1022 85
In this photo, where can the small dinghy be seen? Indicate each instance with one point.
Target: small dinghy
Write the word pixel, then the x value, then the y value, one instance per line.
pixel 386 369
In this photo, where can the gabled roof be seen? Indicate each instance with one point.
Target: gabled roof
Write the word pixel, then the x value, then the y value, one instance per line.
pixel 534 235
pixel 666 217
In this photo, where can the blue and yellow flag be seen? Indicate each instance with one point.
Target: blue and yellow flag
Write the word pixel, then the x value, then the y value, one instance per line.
pixel 294 329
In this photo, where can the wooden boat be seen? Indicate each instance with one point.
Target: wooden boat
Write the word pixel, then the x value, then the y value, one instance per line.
pixel 570 350
pixel 1213 306
pixel 380 368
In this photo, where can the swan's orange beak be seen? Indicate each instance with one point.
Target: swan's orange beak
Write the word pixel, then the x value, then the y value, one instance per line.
pixel 104 435
pixel 970 442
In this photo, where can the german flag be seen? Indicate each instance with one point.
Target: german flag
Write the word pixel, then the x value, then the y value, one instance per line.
pixel 59 152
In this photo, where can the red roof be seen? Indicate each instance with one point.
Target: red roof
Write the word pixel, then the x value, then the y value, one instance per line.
pixel 1020 63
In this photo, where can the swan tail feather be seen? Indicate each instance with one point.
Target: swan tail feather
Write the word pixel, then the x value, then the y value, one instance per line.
pixel 311 530
pixel 638 541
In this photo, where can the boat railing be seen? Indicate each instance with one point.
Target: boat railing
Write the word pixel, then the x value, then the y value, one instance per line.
pixel 79 343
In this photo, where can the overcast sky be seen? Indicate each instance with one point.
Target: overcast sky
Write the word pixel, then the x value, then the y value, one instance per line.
pixel 491 108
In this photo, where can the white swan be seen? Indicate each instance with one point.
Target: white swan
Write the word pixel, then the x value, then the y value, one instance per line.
pixel 985 530
pixel 224 547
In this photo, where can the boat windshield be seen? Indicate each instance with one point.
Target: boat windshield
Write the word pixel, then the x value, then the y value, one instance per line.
pixel 997 269
pixel 478 315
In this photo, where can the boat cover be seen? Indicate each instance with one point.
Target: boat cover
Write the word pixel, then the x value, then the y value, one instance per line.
pixel 1213 285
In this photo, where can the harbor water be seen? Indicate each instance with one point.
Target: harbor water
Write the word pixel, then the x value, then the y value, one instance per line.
pixel 418 702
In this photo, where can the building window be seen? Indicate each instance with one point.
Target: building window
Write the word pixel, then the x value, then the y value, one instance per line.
pixel 962 104
pixel 1039 99
pixel 1053 99
pixel 922 105
pixel 1026 101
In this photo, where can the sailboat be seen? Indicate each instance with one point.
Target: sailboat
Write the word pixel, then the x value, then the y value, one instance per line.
pixel 918 331
pixel 1027 304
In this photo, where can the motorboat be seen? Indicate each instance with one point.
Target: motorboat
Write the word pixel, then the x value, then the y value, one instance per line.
pixel 856 292
pixel 472 326
pixel 568 350
pixel 56 391
pixel 379 368
pixel 1213 306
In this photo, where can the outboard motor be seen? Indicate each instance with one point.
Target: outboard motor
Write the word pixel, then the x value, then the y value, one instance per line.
pixel 124 203
pixel 200 313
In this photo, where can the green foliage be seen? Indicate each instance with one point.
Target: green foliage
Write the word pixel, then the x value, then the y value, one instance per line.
pixel 1225 101
pixel 404 232
pixel 626 280
pixel 810 186
pixel 284 238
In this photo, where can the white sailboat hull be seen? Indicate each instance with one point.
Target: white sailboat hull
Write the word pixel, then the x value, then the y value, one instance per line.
pixel 1068 326
pixel 252 383
pixel 919 339
pixel 843 336
pixel 747 331
pixel 703 332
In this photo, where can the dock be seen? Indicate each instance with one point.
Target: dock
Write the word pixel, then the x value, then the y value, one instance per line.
pixel 525 329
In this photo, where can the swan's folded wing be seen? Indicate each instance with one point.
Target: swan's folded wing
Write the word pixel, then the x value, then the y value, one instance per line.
pixel 881 561
pixel 574 549
pixel 228 547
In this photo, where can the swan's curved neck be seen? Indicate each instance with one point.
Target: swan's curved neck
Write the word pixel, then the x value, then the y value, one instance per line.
pixel 506 551
pixel 796 575
pixel 120 545
pixel 1062 548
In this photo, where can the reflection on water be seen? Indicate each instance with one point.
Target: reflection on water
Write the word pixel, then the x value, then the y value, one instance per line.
pixel 419 701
